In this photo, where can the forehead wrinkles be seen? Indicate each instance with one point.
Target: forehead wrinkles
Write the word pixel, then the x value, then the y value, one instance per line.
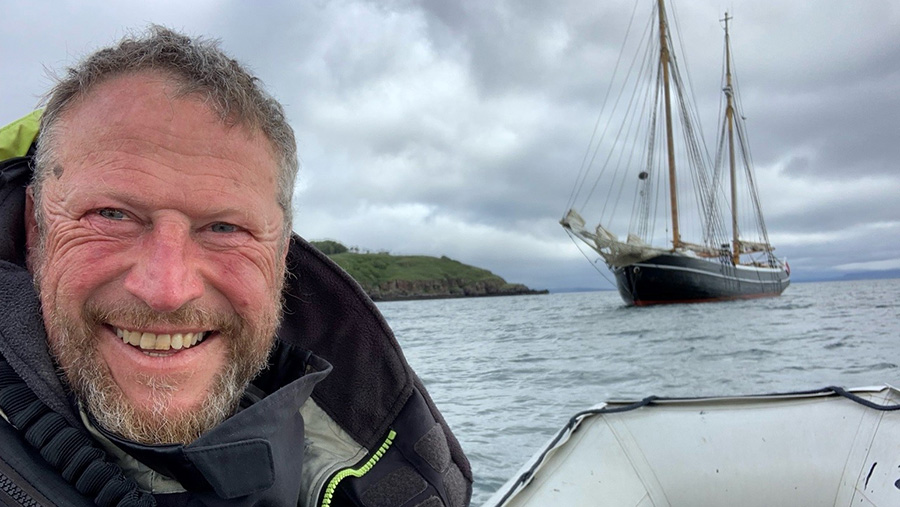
pixel 88 141
pixel 238 159
pixel 152 172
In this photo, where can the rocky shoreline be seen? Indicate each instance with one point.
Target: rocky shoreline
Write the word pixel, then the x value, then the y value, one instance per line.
pixel 403 290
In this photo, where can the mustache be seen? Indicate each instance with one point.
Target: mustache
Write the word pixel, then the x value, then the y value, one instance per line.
pixel 142 317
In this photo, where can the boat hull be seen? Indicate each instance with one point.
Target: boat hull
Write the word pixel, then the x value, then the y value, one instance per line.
pixel 674 278
pixel 775 450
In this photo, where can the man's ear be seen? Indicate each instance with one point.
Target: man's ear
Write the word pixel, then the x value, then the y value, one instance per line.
pixel 32 234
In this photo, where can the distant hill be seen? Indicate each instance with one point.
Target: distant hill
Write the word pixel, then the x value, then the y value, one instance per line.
pixel 872 275
pixel 387 277
pixel 843 276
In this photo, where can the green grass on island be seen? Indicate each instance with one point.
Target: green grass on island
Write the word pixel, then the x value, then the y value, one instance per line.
pixel 388 277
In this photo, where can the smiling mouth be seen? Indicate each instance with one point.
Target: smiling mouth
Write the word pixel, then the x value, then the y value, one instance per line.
pixel 152 342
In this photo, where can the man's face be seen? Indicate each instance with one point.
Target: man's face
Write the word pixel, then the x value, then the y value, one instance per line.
pixel 161 265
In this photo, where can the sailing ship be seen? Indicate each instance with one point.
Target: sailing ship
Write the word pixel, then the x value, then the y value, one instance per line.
pixel 726 261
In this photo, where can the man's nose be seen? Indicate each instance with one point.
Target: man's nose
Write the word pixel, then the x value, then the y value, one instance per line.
pixel 165 274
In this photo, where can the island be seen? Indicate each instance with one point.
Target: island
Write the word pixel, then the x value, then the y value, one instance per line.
pixel 387 277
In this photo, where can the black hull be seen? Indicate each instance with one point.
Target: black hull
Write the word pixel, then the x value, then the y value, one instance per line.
pixel 671 278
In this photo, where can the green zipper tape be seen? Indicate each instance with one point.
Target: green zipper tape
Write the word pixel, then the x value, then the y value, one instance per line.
pixel 356 472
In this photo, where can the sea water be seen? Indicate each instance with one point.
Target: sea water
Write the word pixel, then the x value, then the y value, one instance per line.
pixel 508 372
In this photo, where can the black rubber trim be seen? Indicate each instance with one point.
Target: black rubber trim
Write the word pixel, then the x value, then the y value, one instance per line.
pixel 69 450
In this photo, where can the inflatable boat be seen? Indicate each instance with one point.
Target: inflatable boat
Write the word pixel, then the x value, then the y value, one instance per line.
pixel 830 447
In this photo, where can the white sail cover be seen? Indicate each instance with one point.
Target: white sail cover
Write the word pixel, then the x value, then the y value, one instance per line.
pixel 616 253
pixel 755 246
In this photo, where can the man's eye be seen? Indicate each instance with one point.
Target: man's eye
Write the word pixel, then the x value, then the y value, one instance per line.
pixel 112 214
pixel 222 227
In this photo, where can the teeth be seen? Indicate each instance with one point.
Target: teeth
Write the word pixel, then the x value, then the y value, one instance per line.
pixel 152 341
pixel 148 341
pixel 132 338
pixel 163 341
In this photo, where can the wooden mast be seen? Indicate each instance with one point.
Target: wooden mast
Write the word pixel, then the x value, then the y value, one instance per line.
pixel 729 118
pixel 670 143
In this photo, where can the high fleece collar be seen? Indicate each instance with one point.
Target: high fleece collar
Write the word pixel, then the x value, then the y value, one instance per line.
pixel 23 341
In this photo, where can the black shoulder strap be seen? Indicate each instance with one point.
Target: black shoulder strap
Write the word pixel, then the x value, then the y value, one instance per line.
pixel 70 451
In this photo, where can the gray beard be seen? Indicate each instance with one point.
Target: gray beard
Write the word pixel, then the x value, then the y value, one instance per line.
pixel 104 400
pixel 73 346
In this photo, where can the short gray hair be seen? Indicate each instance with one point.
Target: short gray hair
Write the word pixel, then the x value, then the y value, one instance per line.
pixel 199 67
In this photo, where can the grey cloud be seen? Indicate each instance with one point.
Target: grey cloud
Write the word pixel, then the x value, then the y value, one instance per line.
pixel 481 111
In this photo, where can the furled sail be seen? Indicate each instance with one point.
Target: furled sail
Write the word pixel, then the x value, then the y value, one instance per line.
pixel 614 252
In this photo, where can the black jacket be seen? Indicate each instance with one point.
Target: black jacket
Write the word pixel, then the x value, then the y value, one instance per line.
pixel 405 453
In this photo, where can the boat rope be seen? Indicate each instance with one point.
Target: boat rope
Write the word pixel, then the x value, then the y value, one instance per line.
pixel 583 170
pixel 840 391
pixel 593 262
pixel 627 133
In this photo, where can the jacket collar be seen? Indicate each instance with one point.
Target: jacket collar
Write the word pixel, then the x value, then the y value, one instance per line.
pixel 266 436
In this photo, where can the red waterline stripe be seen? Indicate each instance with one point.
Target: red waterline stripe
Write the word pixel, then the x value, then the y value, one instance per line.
pixel 711 300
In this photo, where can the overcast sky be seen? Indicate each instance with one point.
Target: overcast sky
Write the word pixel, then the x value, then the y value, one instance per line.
pixel 457 128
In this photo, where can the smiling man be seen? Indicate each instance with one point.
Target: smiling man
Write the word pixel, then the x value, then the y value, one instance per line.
pixel 165 338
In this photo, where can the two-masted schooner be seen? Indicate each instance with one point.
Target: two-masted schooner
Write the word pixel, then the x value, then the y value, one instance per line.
pixel 730 259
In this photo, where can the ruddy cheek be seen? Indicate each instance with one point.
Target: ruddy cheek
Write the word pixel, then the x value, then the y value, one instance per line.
pixel 84 273
pixel 241 282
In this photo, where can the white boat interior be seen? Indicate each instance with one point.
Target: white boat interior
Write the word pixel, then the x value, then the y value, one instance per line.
pixel 831 447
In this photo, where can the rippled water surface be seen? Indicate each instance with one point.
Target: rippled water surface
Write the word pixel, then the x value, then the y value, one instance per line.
pixel 508 372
